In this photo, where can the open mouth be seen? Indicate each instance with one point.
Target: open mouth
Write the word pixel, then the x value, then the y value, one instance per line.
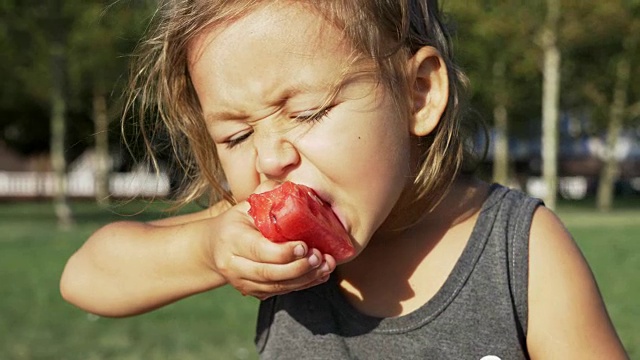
pixel 297 212
pixel 324 199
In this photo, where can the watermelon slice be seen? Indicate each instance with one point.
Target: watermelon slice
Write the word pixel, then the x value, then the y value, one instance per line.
pixel 295 212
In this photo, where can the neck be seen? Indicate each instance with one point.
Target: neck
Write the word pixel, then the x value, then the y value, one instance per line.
pixel 400 270
pixel 452 208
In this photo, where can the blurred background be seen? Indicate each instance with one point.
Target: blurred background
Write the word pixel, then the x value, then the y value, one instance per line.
pixel 556 82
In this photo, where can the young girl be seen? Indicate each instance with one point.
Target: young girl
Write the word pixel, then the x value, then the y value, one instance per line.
pixel 359 100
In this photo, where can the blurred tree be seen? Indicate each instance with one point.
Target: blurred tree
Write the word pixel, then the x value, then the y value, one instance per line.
pixel 603 48
pixel 505 47
pixel 38 32
pixel 494 42
pixel 24 102
pixel 56 52
pixel 550 100
pixel 100 56
pixel 56 31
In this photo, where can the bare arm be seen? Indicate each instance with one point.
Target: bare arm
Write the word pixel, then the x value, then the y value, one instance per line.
pixel 567 316
pixel 128 268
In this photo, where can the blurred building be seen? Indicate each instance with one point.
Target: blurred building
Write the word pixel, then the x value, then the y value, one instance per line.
pixel 31 177
pixel 581 156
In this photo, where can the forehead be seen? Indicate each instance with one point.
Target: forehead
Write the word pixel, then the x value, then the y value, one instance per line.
pixel 269 53
pixel 288 23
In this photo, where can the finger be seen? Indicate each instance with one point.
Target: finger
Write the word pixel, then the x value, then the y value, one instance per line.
pixel 264 290
pixel 317 282
pixel 269 292
pixel 265 186
pixel 316 277
pixel 266 272
pixel 243 207
pixel 261 250
pixel 330 262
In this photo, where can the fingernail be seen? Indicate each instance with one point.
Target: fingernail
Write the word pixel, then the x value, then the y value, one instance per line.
pixel 325 267
pixel 298 251
pixel 314 260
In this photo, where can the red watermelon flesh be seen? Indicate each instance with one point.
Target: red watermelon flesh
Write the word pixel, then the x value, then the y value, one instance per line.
pixel 295 212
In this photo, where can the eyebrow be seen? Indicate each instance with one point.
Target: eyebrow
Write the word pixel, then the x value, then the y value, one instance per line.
pixel 330 92
pixel 226 115
pixel 234 115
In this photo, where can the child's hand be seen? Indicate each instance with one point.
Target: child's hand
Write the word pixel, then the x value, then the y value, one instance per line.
pixel 261 268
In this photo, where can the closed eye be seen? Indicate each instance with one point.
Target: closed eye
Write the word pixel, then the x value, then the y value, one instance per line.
pixel 238 139
pixel 313 115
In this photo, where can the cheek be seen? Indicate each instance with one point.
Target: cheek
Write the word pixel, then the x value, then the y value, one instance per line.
pixel 369 157
pixel 379 152
pixel 239 169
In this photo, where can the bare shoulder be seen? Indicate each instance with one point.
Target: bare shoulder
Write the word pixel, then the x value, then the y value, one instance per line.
pixel 207 213
pixel 567 317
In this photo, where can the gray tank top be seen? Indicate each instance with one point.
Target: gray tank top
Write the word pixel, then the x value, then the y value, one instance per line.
pixel 479 313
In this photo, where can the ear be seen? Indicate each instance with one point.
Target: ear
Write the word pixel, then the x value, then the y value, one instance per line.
pixel 429 86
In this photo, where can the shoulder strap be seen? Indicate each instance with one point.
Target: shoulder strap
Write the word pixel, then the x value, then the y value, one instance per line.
pixel 518 253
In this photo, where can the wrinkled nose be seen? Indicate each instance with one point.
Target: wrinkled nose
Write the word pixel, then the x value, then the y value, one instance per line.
pixel 276 156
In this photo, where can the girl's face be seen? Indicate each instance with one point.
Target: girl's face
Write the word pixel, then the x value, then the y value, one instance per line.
pixel 262 82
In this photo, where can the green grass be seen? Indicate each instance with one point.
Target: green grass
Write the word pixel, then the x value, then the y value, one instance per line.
pixel 35 323
pixel 611 244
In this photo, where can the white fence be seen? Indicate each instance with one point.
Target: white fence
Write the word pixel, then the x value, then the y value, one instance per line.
pixel 42 184
pixel 570 187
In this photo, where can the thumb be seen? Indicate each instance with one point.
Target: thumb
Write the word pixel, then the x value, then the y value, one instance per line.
pixel 263 187
pixel 266 185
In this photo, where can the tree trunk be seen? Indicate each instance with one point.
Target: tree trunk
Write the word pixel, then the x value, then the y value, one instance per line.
pixel 101 124
pixel 501 126
pixel 58 130
pixel 610 169
pixel 550 102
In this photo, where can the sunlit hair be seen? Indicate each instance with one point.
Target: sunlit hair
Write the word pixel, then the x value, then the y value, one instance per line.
pixel 163 101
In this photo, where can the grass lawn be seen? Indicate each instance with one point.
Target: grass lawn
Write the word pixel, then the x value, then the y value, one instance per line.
pixel 36 324
pixel 611 244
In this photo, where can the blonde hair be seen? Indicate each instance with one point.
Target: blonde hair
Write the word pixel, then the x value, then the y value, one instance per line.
pixel 162 100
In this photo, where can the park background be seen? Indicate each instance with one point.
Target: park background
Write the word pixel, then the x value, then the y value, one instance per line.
pixel 557 82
